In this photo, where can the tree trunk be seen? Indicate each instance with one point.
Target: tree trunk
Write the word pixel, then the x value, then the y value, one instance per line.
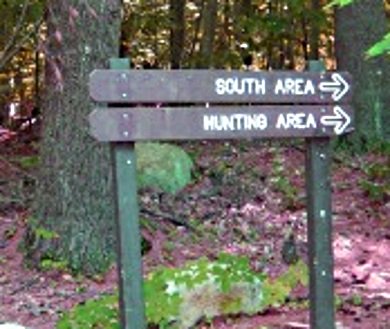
pixel 314 32
pixel 208 33
pixel 359 26
pixel 73 221
pixel 177 32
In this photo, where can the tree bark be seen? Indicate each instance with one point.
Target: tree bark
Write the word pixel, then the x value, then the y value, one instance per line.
pixel 359 26
pixel 208 33
pixel 314 32
pixel 73 221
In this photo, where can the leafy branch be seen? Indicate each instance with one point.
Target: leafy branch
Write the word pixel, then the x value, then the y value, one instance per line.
pixel 379 48
pixel 17 40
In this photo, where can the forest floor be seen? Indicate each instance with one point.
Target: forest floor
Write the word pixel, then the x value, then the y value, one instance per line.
pixel 245 198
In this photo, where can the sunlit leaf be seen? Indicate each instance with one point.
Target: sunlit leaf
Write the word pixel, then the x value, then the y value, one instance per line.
pixel 380 47
pixel 340 3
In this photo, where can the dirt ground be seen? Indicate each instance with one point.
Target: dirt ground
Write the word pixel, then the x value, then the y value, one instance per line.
pixel 361 237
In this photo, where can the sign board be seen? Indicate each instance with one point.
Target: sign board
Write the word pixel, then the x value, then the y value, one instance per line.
pixel 217 86
pixel 212 104
pixel 219 122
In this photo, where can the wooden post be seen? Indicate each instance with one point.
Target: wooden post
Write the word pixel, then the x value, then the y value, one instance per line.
pixel 131 299
pixel 318 189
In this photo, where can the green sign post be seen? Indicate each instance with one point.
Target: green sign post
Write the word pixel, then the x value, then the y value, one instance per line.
pixel 216 104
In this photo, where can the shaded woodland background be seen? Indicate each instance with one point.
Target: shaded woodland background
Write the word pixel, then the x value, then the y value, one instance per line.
pixel 50 47
pixel 243 198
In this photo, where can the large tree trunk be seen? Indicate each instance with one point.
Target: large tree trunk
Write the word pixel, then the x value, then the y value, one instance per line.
pixel 73 218
pixel 177 33
pixel 359 26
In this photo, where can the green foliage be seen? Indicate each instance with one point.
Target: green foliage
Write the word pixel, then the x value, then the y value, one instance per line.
pixel 40 237
pixel 42 233
pixel 164 166
pixel 282 184
pixel 179 297
pixel 51 264
pixel 381 47
pixel 377 184
pixel 28 162
pixel 340 3
pixel 94 314
pixel 16 26
pixel 356 300
pixel 277 290
pixel 342 302
pixel 49 261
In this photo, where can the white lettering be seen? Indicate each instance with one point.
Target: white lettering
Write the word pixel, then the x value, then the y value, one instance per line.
pixel 309 88
pixel 240 86
pixel 208 122
pixel 234 122
pixel 311 121
pixel 240 118
pixel 227 122
pixel 290 86
pixel 279 88
pixel 299 123
pixel 296 121
pixel 299 87
pixel 220 86
pixel 252 123
pixel 259 87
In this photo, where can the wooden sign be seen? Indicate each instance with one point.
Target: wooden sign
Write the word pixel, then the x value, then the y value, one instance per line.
pixel 219 122
pixel 212 104
pixel 217 86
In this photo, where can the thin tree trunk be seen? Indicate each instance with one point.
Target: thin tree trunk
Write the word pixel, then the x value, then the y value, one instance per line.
pixel 359 26
pixel 314 36
pixel 209 26
pixel 197 26
pixel 177 33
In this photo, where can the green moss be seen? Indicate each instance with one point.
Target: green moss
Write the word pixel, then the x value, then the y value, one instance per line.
pixel 202 289
pixel 28 162
pixel 164 166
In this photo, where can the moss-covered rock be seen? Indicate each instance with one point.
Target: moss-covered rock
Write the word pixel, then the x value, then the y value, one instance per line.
pixel 177 298
pixel 163 166
pixel 203 289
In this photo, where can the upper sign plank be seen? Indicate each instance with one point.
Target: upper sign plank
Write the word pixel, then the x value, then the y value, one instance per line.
pixel 219 86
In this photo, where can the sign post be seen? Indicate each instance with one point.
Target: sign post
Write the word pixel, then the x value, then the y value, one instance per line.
pixel 215 104
pixel 129 262
pixel 319 215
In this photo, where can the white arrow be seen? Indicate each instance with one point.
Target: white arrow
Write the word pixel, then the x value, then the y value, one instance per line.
pixel 338 87
pixel 340 120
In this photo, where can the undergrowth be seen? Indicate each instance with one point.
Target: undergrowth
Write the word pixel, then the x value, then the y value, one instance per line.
pixel 202 289
pixel 377 181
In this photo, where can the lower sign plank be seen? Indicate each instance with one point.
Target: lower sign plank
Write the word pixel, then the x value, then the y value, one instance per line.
pixel 219 122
